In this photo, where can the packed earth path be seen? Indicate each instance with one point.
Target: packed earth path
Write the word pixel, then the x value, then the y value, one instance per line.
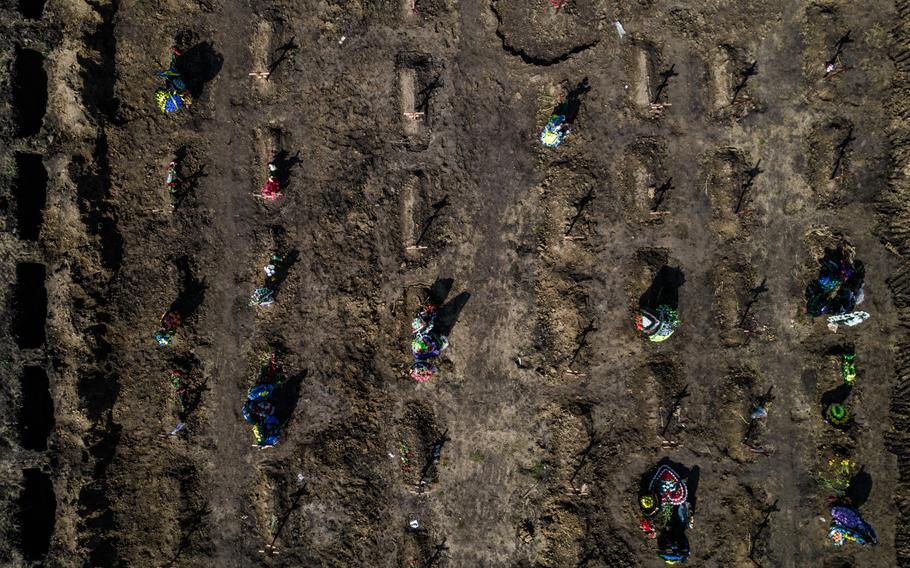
pixel 718 152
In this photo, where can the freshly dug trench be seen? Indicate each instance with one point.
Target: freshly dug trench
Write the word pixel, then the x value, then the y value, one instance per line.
pixel 30 193
pixel 30 305
pixel 37 510
pixel 30 91
pixel 36 413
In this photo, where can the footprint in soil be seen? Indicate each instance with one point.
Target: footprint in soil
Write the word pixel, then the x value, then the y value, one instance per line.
pixel 664 289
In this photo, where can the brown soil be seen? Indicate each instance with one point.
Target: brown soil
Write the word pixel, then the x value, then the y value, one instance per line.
pixel 408 133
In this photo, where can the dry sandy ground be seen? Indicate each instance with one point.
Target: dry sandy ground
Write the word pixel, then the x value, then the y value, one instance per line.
pixel 552 403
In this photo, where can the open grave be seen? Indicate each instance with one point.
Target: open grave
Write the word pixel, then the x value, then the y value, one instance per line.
pixel 37 506
pixel 830 160
pixel 36 410
pixel 419 78
pixel 29 91
pixel 30 305
pixel 30 193
pixel 646 185
pixel 32 9
pixel 730 180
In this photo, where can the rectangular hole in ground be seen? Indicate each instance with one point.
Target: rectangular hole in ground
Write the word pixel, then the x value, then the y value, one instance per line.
pixel 418 79
pixel 722 67
pixel 410 192
pixel 32 9
pixel 30 305
pixel 29 91
pixel 36 413
pixel 37 511
pixel 643 176
pixel 30 193
pixel 410 121
pixel 646 78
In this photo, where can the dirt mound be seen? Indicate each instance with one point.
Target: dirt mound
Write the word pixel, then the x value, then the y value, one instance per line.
pixel 544 35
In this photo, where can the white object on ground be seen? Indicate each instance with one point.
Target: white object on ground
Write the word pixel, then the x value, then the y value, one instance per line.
pixel 849 320
pixel 619 29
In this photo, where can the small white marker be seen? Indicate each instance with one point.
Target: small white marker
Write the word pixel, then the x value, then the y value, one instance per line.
pixel 619 29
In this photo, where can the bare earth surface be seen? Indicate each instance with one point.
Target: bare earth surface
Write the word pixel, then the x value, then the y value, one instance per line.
pixel 554 404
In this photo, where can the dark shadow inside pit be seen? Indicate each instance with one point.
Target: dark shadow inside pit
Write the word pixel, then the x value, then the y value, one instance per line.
pixel 188 175
pixel 448 311
pixel 36 413
pixel 93 187
pixel 665 77
pixel 284 162
pixel 99 71
pixel 282 271
pixel 744 76
pixel 193 400
pixel 437 210
pixel 32 9
pixel 281 54
pixel 580 205
pixel 29 91
pixel 94 506
pixel 664 289
pixel 30 305
pixel 841 152
pixel 188 364
pixel 190 526
pixel 421 79
pixel 192 290
pixel 288 397
pixel 860 488
pixel 572 103
pixel 198 65
pixel 836 396
pixel 30 193
pixel 37 510
pixel 97 392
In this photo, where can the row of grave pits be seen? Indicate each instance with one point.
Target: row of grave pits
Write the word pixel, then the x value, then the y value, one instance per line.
pixel 729 70
pixel 35 418
pixel 646 188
